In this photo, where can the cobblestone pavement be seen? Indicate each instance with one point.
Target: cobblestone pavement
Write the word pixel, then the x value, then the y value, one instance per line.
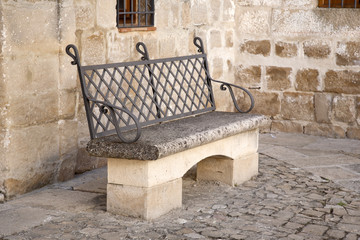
pixel 282 202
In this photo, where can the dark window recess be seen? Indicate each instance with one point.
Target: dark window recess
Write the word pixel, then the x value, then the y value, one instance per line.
pixel 339 3
pixel 135 13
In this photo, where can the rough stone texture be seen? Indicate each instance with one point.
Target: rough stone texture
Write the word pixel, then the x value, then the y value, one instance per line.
pixel 157 142
pixel 324 130
pixel 147 203
pixel 105 14
pixel 286 126
pixel 357 102
pixel 278 78
pixel 215 39
pixel 199 13
pixel 316 49
pixel 256 47
pixel 229 39
pixel 85 162
pixel 342 82
pixel 266 103
pixel 253 21
pixel 248 76
pixel 24 147
pixel 286 50
pixel 323 103
pixel 347 54
pixel 307 80
pixel 344 109
pixel 298 106
pixel 93 47
pixel 309 22
pixel 217 71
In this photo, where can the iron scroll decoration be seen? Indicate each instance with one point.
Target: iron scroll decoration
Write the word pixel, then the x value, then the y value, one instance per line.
pixel 224 85
pixel 105 107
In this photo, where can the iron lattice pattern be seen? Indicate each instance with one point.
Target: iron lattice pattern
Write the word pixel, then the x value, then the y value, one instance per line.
pixel 153 91
pixel 339 3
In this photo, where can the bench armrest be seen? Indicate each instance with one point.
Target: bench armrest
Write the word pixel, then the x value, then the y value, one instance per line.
pixel 105 107
pixel 228 86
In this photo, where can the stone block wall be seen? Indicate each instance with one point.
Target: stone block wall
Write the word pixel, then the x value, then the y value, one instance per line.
pixel 306 62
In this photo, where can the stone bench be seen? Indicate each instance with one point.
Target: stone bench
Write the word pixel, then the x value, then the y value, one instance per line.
pixel 154 120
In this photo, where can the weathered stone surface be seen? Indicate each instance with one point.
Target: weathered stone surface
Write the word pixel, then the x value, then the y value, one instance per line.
pixel 342 82
pixel 34 109
pixel 185 14
pixel 67 27
pixel 324 130
pixel 105 14
pixel 307 4
pixel 256 47
pixel 270 3
pixel 84 14
pixel 215 39
pixel 357 102
pixel 199 13
pixel 166 48
pixel 85 162
pixel 147 203
pixel 316 49
pixel 67 167
pixel 217 68
pixel 215 7
pixel 93 48
pixel 229 38
pixel 29 37
pixel 298 106
pixel 347 53
pixel 316 230
pixel 307 80
pixel 67 74
pixel 118 47
pixel 323 104
pixel 285 49
pixel 228 10
pixel 286 126
pixel 156 142
pixel 344 109
pixel 68 136
pixel 266 103
pixel 248 76
pixel 253 21
pixel 309 22
pixel 67 104
pixel 278 78
pixel 353 132
pixel 31 147
pixel 31 75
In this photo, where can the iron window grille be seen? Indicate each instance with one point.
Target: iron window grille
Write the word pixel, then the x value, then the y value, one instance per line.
pixel 135 13
pixel 339 3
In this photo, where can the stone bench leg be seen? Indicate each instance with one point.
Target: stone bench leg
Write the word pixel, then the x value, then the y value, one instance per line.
pixel 227 170
pixel 144 202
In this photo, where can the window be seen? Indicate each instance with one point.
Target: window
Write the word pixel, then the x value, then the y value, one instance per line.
pixel 339 3
pixel 135 13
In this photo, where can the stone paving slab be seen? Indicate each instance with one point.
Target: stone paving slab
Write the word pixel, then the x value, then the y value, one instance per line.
pixel 283 202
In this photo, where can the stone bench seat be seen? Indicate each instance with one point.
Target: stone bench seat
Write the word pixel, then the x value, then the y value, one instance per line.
pixel 161 140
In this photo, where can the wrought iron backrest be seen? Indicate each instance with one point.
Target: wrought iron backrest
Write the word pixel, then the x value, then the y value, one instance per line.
pixel 130 95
